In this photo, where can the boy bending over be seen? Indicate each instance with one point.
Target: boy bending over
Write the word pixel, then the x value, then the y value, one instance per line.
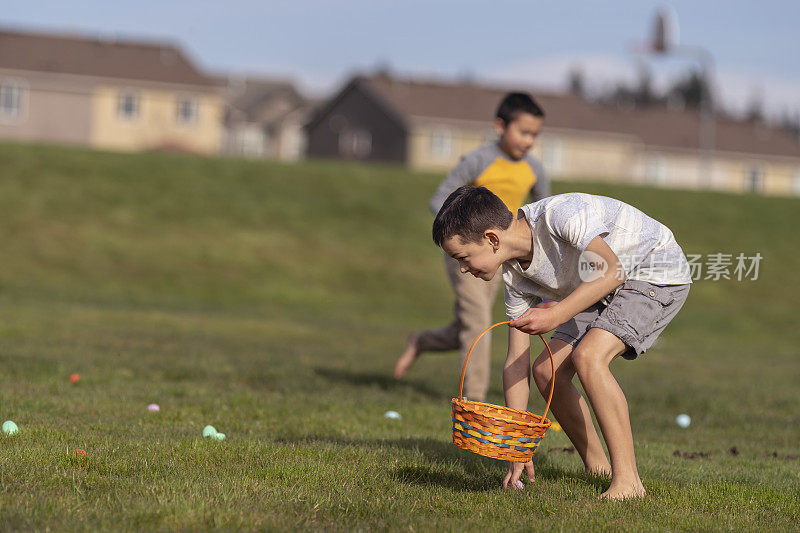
pixel 619 278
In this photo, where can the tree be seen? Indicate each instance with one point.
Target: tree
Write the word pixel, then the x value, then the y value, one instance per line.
pixel 645 96
pixel 577 87
pixel 755 109
pixel 693 90
pixel 791 122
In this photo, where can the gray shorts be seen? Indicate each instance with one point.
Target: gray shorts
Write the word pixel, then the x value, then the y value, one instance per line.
pixel 637 314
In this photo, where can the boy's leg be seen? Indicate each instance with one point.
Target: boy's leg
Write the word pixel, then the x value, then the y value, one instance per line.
pixel 474 301
pixel 473 314
pixel 439 339
pixel 591 359
pixel 569 407
pixel 431 340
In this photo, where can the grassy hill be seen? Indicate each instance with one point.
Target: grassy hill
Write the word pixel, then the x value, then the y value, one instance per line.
pixel 271 300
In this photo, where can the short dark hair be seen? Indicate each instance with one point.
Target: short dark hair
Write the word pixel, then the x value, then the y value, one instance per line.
pixel 469 212
pixel 515 104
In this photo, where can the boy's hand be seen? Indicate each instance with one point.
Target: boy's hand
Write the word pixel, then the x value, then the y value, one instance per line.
pixel 515 471
pixel 536 321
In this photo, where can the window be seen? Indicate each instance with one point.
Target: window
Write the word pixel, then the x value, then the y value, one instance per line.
pixel 553 155
pixel 128 105
pixel 656 171
pixel 441 143
pixel 796 182
pixel 295 143
pixel 755 179
pixel 252 141
pixel 187 110
pixel 10 100
pixel 355 143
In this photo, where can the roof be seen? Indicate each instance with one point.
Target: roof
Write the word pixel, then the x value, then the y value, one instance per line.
pixel 248 94
pixel 101 57
pixel 416 100
pixel 263 100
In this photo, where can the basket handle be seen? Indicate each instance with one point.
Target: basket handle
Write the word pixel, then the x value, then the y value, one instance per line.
pixel 552 365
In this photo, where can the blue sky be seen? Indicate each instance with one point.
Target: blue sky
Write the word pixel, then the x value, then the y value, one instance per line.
pixel 318 43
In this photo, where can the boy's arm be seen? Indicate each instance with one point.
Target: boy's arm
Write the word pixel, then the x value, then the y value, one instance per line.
pixel 540 189
pixel 516 387
pixel 537 321
pixel 462 174
pixel 516 374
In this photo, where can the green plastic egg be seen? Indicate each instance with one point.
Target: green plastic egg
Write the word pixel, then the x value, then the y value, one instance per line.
pixel 10 428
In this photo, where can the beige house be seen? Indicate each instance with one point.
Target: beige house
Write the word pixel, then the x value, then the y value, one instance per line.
pixel 430 125
pixel 264 118
pixel 106 93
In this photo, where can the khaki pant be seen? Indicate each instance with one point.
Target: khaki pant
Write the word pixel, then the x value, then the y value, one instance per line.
pixel 473 313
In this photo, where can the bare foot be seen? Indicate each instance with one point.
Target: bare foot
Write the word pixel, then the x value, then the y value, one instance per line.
pixel 599 471
pixel 624 492
pixel 407 358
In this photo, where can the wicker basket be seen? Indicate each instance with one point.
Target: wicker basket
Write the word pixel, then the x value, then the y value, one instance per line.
pixel 495 431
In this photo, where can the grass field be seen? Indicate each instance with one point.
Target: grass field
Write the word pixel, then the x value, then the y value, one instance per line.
pixel 271 301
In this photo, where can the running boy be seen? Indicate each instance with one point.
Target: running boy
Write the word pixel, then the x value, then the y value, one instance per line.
pixel 618 276
pixel 506 168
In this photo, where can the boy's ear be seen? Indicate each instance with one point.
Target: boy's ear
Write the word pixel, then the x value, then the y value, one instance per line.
pixel 493 238
pixel 499 126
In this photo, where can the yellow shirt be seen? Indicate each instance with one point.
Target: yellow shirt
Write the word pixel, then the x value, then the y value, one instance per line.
pixel 488 166
pixel 510 180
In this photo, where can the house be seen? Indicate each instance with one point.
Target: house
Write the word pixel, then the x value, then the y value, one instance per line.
pixel 264 118
pixel 430 125
pixel 106 93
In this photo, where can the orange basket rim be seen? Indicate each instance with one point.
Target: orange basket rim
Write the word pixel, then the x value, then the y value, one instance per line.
pixel 544 421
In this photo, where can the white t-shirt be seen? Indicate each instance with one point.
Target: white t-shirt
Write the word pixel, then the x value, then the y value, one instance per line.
pixel 562 227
